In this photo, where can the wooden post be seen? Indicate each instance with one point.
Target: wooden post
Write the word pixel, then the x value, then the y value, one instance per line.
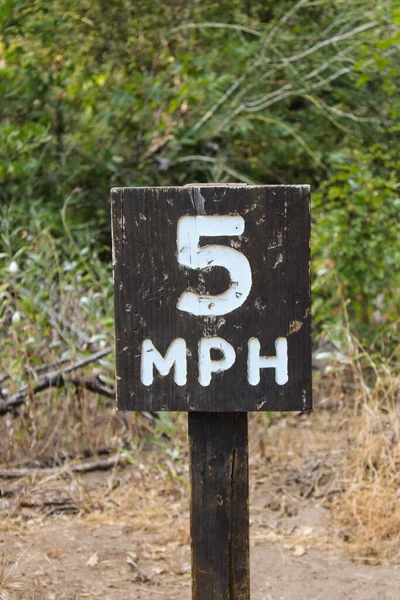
pixel 219 508
pixel 212 316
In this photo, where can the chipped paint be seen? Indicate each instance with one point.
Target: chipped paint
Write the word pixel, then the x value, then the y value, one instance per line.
pixel 197 200
pixel 294 327
pixel 277 242
pixel 278 261
pixel 259 304
pixel 150 279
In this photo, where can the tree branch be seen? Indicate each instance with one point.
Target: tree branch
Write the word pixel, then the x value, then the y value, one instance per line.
pixel 84 467
pixel 57 379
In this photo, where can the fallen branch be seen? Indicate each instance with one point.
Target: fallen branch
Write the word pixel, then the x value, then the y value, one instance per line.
pixel 50 365
pixel 102 464
pixel 38 370
pixel 57 379
pixel 89 383
pixel 93 385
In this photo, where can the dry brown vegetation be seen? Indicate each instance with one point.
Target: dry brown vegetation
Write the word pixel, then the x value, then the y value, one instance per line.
pixel 342 458
pixel 345 455
pixel 369 507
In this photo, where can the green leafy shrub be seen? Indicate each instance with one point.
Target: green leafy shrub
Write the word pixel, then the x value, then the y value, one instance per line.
pixel 356 240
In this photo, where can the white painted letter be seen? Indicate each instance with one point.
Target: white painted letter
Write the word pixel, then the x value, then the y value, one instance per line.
pixel 190 254
pixel 208 366
pixel 255 362
pixel 175 356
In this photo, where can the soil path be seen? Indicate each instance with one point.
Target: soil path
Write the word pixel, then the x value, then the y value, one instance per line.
pixel 68 561
pixel 133 544
pixel 124 534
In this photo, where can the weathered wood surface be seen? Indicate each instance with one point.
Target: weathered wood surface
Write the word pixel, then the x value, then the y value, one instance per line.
pixel 149 282
pixel 219 506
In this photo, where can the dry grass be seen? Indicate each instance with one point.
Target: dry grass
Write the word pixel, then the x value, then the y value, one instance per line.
pixel 346 454
pixel 12 587
pixel 58 427
pixel 368 511
pixel 348 449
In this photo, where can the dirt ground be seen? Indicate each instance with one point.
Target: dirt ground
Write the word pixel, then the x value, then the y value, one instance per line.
pixel 124 534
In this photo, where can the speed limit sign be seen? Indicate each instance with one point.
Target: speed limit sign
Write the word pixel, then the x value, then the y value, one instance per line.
pixel 212 316
pixel 212 298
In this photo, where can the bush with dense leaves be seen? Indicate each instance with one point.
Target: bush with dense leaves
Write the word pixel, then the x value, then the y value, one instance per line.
pixel 102 94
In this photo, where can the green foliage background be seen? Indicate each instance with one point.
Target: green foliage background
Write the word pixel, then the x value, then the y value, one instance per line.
pixel 132 92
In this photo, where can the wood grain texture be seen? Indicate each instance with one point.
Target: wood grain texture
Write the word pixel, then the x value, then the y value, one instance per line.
pixel 148 282
pixel 219 506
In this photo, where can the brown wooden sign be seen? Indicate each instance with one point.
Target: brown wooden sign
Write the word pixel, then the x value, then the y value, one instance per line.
pixel 212 298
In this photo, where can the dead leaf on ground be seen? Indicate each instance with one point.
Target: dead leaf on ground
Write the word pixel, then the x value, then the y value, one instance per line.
pixel 93 560
pixel 299 551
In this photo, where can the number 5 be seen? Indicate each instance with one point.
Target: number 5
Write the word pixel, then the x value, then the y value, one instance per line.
pixel 191 255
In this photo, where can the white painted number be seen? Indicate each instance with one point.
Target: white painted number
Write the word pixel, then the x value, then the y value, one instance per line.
pixel 190 254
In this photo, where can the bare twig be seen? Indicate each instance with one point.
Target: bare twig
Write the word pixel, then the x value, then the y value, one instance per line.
pixel 93 385
pixel 219 103
pixel 88 359
pixel 263 102
pixel 50 365
pixel 216 26
pixel 57 379
pixel 41 369
pixel 102 464
pixel 332 40
pixel 209 159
